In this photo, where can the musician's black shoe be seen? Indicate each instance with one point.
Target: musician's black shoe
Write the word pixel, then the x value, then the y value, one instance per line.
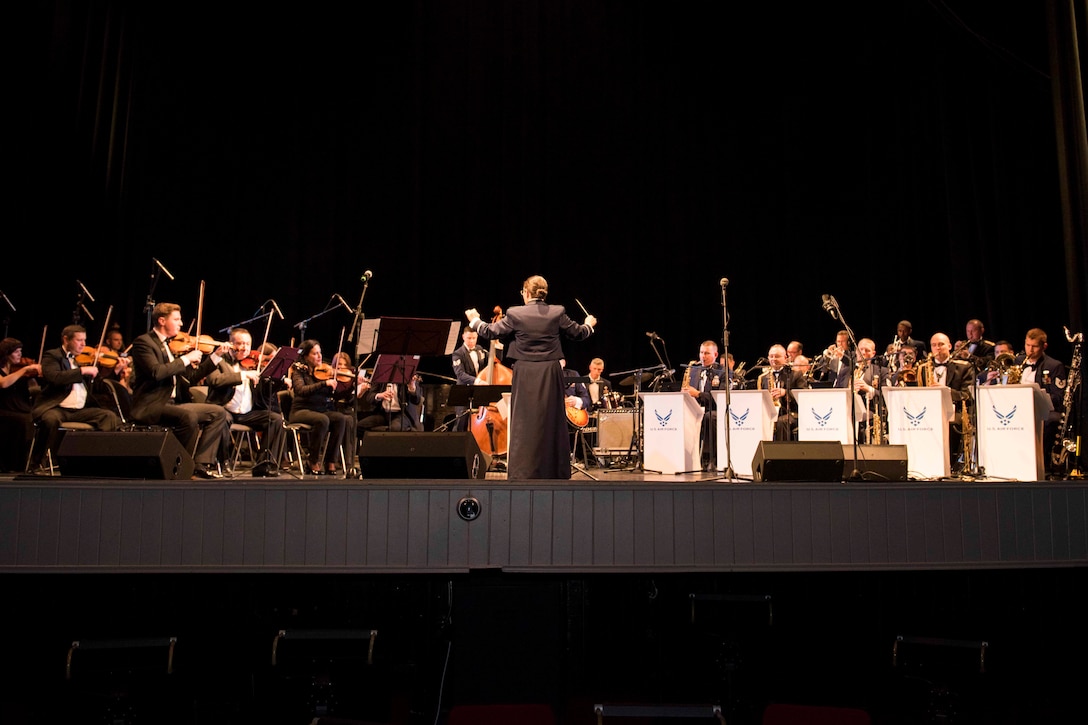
pixel 202 472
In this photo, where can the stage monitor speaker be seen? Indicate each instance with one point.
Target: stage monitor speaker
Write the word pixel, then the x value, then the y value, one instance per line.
pixel 797 461
pixel 615 429
pixel 422 455
pixel 875 463
pixel 153 455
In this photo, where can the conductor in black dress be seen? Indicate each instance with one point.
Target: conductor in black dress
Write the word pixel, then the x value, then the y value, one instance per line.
pixel 539 440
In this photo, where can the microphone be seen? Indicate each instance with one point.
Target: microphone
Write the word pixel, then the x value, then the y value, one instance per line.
pixel 724 282
pixel 828 304
pixel 345 304
pixel 654 336
pixel 8 301
pixel 278 312
pixel 164 269
pixel 86 292
pixel 366 276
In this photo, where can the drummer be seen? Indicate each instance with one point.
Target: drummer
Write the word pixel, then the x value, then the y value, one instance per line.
pixel 600 390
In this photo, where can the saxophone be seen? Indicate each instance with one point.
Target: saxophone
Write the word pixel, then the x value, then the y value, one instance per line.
pixel 925 372
pixel 686 381
pixel 1065 444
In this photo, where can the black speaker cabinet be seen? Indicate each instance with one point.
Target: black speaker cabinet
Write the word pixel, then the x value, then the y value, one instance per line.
pixel 875 463
pixel 798 461
pixel 155 455
pixel 422 455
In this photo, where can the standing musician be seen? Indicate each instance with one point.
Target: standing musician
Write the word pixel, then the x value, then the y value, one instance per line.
pixel 539 438
pixel 700 381
pixel 66 394
pixel 974 349
pixel 236 385
pixel 160 388
pixel 313 386
pixel 468 361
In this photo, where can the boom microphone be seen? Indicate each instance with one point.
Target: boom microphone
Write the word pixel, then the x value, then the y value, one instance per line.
pixel 366 276
pixel 724 282
pixel 654 336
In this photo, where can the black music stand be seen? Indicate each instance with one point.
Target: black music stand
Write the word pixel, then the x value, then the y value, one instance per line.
pixel 408 336
pixel 281 362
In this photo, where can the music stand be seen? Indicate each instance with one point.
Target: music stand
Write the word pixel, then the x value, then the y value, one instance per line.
pixel 281 362
pixel 394 368
pixel 407 336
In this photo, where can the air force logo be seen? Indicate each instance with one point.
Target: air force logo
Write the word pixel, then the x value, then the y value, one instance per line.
pixel 1004 418
pixel 738 420
pixel 822 420
pixel 915 420
pixel 663 420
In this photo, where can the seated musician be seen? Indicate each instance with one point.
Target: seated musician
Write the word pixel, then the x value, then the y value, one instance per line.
pixel 943 370
pixel 160 389
pixel 868 375
pixel 17 389
pixel 313 389
pixel 235 384
pixel 780 379
pixel 391 406
pixel 598 386
pixel 66 392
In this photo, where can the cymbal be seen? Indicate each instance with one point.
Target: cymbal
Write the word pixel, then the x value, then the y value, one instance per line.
pixel 630 379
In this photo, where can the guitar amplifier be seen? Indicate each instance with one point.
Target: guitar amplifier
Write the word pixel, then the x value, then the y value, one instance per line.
pixel 615 428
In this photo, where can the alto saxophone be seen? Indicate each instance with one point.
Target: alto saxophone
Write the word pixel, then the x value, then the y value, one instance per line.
pixel 1065 443
pixel 686 381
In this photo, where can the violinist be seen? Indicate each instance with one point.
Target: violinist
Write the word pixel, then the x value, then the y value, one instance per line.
pixel 236 384
pixel 66 392
pixel 351 385
pixel 16 404
pixel 313 385
pixel 160 385
pixel 113 360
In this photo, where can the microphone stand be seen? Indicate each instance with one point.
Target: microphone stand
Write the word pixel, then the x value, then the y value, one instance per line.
pixel 357 320
pixel 7 316
pixel 261 314
pixel 149 305
pixel 728 474
pixel 833 309
pixel 302 325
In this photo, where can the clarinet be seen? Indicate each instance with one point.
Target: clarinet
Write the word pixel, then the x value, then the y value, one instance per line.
pixel 1064 443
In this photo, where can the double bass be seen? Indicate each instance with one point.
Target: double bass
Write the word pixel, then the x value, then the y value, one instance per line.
pixel 488 426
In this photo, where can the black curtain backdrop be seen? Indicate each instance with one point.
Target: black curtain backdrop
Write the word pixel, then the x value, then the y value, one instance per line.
pixel 901 156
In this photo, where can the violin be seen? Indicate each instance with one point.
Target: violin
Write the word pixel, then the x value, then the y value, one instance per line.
pixel 183 342
pixel 250 361
pixel 25 362
pixel 107 358
pixel 324 371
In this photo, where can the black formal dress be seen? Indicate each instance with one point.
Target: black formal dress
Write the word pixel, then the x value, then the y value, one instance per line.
pixel 538 439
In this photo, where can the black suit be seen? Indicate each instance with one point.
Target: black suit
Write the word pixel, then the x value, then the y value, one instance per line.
pixel 155 377
pixel 59 376
pixel 465 373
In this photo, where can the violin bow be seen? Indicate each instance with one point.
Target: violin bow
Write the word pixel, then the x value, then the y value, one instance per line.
pixel 102 340
pixel 41 351
pixel 199 315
